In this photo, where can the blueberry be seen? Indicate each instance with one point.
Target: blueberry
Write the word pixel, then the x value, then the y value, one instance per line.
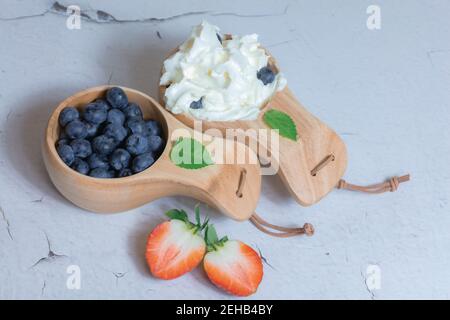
pixel 153 128
pixel 76 130
pixel 115 116
pixel 124 173
pixel 136 144
pixel 136 126
pixel 66 153
pixel 103 104
pixel 120 159
pixel 155 143
pixel 133 111
pixel 98 161
pixel 91 129
pixel 197 104
pixel 61 142
pixel 81 148
pixel 118 132
pixel 80 166
pixel 101 173
pixel 117 98
pixel 68 114
pixel 142 162
pixel 95 113
pixel 103 145
pixel 266 75
pixel 63 135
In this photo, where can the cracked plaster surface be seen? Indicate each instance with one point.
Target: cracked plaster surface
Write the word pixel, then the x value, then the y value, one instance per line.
pixel 386 92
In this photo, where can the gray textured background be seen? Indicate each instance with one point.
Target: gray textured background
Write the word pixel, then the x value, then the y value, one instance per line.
pixel 385 91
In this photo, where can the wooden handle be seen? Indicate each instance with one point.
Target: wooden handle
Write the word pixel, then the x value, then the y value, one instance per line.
pixel 217 185
pixel 233 188
pixel 311 166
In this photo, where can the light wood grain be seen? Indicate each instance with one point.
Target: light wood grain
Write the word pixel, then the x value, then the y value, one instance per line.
pixel 215 184
pixel 296 159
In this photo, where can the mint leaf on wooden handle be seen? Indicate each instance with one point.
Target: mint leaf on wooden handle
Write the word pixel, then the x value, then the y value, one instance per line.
pixel 188 153
pixel 283 122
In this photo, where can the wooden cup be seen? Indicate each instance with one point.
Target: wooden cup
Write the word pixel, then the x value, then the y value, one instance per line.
pixel 216 184
pixel 309 167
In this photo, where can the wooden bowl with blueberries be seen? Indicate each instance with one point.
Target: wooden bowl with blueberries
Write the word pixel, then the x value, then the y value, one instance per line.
pixel 107 149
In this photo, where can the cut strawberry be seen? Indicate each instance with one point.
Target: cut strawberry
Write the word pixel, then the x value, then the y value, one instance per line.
pixel 175 247
pixel 232 265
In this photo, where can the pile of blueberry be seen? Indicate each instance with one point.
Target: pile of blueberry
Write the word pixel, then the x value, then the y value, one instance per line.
pixel 110 138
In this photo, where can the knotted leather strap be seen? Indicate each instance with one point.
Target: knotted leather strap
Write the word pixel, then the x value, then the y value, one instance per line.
pixel 284 232
pixel 389 185
pixel 265 226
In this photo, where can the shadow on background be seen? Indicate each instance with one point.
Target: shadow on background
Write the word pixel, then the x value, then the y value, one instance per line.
pixel 24 135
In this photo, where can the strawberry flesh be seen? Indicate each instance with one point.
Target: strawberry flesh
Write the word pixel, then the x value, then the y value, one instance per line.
pixel 173 249
pixel 235 267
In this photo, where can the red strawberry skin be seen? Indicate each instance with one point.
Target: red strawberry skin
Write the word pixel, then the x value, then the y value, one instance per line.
pixel 173 249
pixel 235 267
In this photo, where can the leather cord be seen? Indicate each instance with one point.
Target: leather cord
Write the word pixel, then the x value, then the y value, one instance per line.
pixel 283 232
pixel 322 164
pixel 241 184
pixel 391 185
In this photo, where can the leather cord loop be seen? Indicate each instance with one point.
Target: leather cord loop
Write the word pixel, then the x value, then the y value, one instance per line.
pixel 391 185
pixel 242 179
pixel 322 164
pixel 283 232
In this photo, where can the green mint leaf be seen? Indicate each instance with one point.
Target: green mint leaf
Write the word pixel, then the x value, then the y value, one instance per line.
pixel 177 215
pixel 283 122
pixel 188 153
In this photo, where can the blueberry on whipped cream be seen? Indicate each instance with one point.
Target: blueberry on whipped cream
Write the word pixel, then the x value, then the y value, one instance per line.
pixel 219 78
pixel 197 104
pixel 266 75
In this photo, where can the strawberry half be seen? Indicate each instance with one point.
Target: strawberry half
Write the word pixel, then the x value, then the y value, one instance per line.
pixel 175 247
pixel 232 265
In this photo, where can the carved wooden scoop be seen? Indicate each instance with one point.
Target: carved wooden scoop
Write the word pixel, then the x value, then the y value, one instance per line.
pixel 309 167
pixel 219 185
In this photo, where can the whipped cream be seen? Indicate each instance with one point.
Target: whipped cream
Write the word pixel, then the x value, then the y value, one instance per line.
pixel 212 78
